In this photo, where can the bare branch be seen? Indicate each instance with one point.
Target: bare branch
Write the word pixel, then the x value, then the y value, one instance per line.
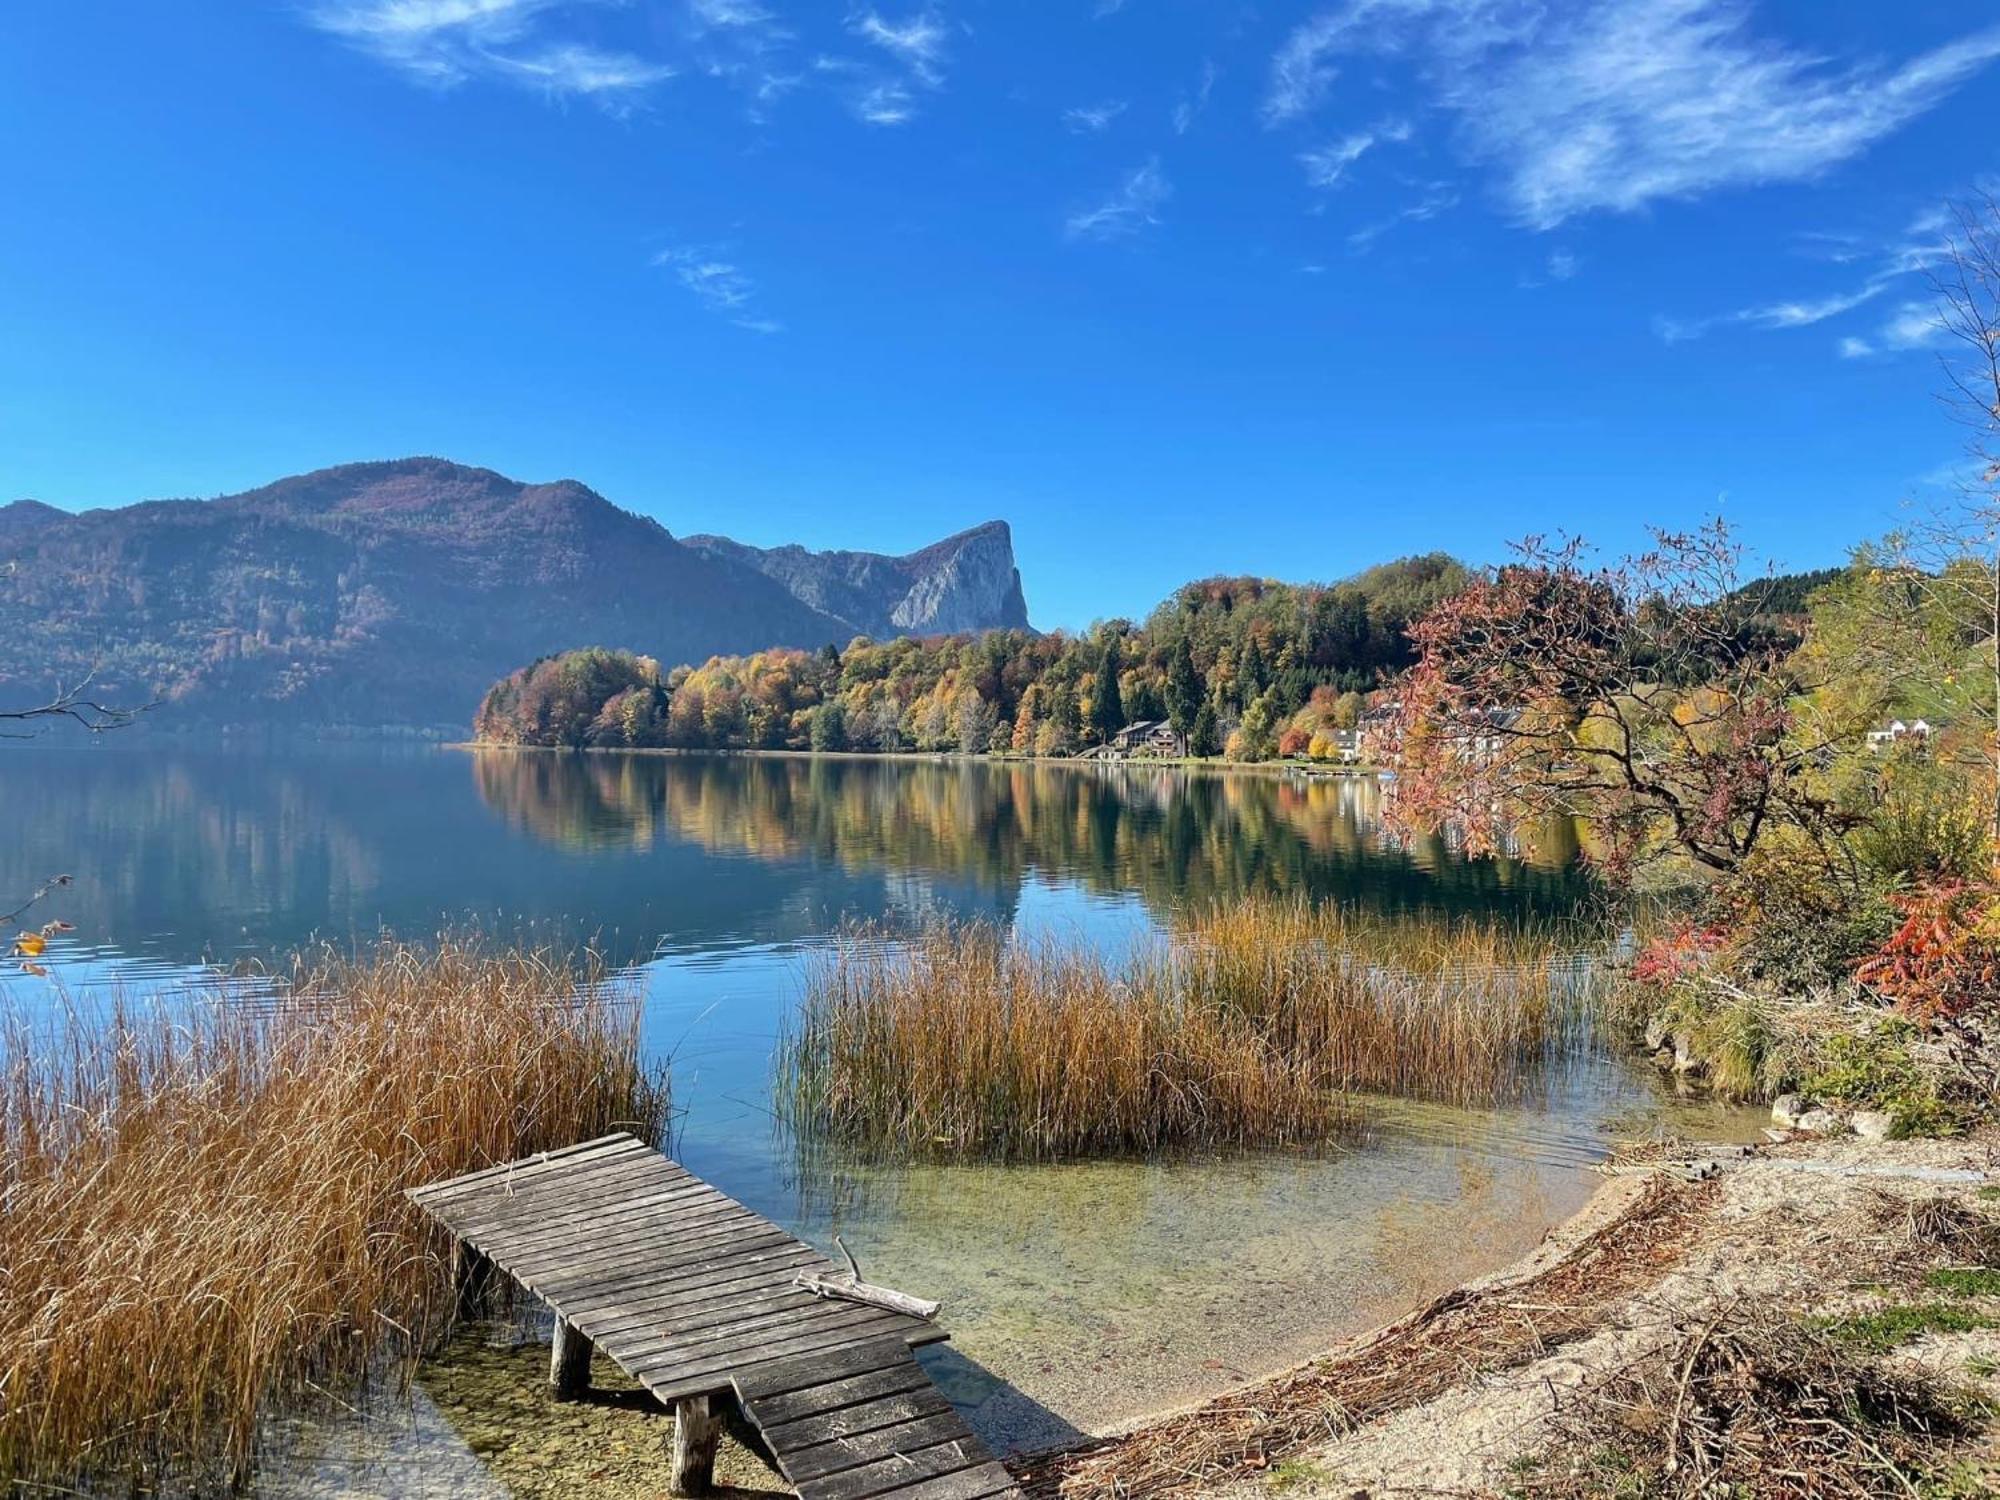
pixel 74 705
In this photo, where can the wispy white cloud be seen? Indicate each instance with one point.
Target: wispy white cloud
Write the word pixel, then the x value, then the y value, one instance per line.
pixel 449 42
pixel 885 104
pixel 1188 108
pixel 1327 165
pixel 1093 118
pixel 1853 348
pixel 720 286
pixel 1302 72
pixel 1134 206
pixel 730 14
pixel 574 68
pixel 1437 197
pixel 1914 325
pixel 1556 266
pixel 917 48
pixel 918 43
pixel 1610 105
pixel 1921 246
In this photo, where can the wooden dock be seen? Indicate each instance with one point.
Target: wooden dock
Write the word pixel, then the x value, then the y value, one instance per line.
pixel 698 1299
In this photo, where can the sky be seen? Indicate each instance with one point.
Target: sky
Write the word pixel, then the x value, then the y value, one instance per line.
pixel 1176 287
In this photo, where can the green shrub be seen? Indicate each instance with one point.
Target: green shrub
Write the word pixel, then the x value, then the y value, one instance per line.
pixel 1926 826
pixel 1875 1069
pixel 1799 923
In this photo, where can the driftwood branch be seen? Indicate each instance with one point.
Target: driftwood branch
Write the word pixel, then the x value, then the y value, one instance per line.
pixel 852 1288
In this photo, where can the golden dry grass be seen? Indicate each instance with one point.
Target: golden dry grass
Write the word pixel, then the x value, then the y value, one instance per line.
pixel 1250 1025
pixel 202 1204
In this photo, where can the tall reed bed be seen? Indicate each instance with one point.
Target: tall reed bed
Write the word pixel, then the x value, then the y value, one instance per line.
pixel 1251 1025
pixel 202 1202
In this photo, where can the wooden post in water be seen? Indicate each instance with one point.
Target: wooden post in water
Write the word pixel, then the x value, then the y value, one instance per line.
pixel 569 1361
pixel 471 1272
pixel 696 1428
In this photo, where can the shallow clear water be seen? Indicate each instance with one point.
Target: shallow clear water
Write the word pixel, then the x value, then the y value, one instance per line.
pixel 1077 1295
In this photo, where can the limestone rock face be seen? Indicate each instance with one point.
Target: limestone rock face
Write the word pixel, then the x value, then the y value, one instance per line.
pixel 964 583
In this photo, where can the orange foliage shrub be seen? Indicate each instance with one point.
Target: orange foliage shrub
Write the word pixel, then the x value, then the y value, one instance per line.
pixel 1944 960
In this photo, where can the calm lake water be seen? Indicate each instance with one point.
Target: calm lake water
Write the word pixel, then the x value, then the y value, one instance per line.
pixel 1079 1295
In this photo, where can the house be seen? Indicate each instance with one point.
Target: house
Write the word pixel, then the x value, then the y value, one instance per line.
pixel 1481 735
pixel 1375 735
pixel 1146 737
pixel 1916 734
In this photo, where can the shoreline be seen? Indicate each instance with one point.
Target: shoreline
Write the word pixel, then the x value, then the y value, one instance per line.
pixel 1311 770
pixel 1470 1390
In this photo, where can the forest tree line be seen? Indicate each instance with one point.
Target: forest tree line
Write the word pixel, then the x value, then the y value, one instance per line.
pixel 1239 666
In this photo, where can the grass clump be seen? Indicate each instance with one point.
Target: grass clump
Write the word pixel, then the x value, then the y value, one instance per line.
pixel 1965 1281
pixel 204 1202
pixel 1246 1026
pixel 1891 1327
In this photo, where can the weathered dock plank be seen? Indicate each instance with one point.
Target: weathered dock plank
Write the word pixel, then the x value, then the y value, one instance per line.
pixel 695 1296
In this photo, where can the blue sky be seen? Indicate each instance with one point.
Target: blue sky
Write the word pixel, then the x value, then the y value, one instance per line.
pixel 1175 286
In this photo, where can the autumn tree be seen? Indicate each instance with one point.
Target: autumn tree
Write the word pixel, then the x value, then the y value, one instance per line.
pixel 976 723
pixel 1622 695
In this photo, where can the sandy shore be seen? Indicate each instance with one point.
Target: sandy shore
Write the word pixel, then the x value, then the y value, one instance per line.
pixel 1469 1392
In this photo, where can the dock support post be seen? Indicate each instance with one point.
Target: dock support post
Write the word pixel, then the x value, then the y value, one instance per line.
pixel 471 1272
pixel 697 1426
pixel 569 1361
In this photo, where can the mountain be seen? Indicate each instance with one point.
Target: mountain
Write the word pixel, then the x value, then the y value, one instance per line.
pixel 387 594
pixel 965 582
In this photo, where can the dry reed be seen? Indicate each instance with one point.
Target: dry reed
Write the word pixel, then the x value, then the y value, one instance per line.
pixel 1251 1025
pixel 202 1202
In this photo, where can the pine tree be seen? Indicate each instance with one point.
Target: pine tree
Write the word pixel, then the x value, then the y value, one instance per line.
pixel 1183 692
pixel 1251 677
pixel 1107 706
pixel 1205 738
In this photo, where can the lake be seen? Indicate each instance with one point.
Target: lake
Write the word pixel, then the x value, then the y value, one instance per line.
pixel 1078 1295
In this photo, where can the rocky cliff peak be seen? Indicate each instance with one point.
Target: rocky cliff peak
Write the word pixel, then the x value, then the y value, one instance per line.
pixel 966 582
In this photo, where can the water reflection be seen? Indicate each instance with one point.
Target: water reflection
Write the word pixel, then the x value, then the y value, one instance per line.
pixel 184 855
pixel 1171 834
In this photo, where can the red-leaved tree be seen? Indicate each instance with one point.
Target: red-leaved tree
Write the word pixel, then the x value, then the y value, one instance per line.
pixel 1637 697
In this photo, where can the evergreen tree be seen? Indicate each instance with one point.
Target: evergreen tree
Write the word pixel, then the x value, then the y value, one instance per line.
pixel 1064 722
pixel 1184 693
pixel 1251 675
pixel 1205 737
pixel 1107 705
pixel 829 727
